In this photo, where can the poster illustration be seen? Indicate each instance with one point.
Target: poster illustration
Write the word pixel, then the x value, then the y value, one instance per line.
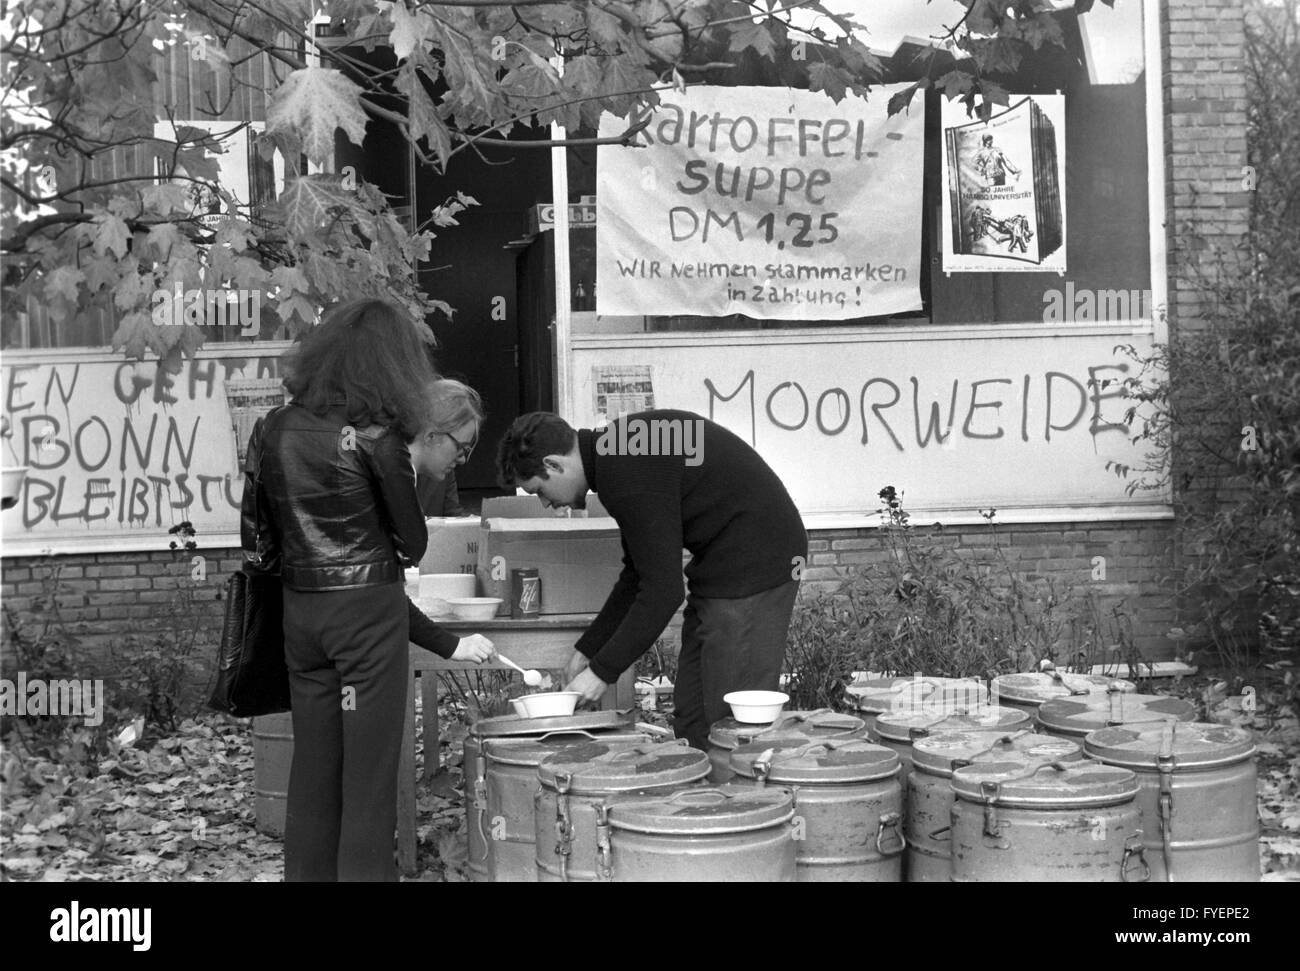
pixel 1005 207
pixel 762 201
pixel 253 181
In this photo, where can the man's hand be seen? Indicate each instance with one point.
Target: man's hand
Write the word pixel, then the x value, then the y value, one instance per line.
pixel 577 664
pixel 588 685
pixel 475 647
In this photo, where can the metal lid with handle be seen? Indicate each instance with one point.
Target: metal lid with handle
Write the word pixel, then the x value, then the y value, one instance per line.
pixel 878 695
pixel 939 753
pixel 531 751
pixel 797 760
pixel 1035 687
pixel 1078 716
pixel 1018 781
pixel 821 723
pixel 703 810
pixel 1191 745
pixel 601 767
pixel 592 721
pixel 905 726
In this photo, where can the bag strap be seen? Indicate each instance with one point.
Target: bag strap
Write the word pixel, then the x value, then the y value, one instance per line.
pixel 254 458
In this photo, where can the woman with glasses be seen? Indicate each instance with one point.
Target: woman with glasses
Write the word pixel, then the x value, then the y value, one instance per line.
pixel 330 504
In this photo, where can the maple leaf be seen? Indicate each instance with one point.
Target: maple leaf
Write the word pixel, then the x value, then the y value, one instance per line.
pixel 826 77
pixel 423 118
pixel 135 335
pixel 624 73
pixel 111 236
pixel 313 102
pixel 756 36
pixel 310 202
pixel 411 31
pixel 100 273
pixel 954 84
pixel 166 198
pixel 162 238
pixel 900 100
pixel 132 290
pixel 62 282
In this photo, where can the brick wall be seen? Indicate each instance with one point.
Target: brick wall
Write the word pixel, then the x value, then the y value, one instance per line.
pixel 105 598
pixel 1203 44
pixel 1205 128
pixel 109 596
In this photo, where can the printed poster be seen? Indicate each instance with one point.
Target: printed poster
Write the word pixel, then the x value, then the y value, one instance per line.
pixel 1004 210
pixel 622 390
pixel 767 202
pixel 248 400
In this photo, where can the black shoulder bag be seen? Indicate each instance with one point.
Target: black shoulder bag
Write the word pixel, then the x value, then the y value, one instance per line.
pixel 252 678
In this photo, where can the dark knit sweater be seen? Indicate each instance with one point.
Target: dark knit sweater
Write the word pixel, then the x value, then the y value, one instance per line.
pixel 726 506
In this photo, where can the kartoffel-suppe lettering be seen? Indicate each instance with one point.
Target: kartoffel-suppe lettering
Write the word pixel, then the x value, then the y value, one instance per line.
pixel 804 137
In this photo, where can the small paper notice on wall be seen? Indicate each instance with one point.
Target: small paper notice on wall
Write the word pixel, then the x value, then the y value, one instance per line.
pixel 248 400
pixel 621 390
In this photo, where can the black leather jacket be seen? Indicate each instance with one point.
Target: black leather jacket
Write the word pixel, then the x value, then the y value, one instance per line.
pixel 328 506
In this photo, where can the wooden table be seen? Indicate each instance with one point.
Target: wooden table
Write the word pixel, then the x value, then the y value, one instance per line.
pixel 543 643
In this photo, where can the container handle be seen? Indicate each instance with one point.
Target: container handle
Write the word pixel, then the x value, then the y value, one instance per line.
pixel 1133 847
pixel 565 731
pixel 946 829
pixel 654 730
pixel 604 846
pixel 800 716
pixel 1059 678
pixel 715 796
pixel 1058 766
pixel 892 821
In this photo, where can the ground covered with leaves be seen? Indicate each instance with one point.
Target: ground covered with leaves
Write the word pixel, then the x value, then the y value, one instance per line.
pixel 181 807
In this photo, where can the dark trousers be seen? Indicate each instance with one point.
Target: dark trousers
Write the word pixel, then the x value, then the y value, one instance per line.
pixel 728 645
pixel 347 656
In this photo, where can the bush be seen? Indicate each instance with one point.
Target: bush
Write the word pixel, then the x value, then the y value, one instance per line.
pixel 931 608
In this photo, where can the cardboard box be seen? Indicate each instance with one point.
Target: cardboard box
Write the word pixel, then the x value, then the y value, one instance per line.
pixel 453 546
pixel 530 507
pixel 577 560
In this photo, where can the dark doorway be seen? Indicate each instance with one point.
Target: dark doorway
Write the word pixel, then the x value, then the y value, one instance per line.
pixel 469 265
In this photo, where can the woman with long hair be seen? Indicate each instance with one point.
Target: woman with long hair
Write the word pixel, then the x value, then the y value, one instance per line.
pixel 330 499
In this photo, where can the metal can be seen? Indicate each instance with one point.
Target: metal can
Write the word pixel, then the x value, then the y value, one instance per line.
pixel 525 592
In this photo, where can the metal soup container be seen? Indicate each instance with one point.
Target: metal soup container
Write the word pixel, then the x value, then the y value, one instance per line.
pixel 1200 819
pixel 848 823
pixel 898 729
pixel 717 834
pixel 512 726
pixel 511 787
pixel 1076 717
pixel 1019 819
pixel 578 779
pixel 929 788
pixel 877 696
pixel 1031 689
pixel 727 734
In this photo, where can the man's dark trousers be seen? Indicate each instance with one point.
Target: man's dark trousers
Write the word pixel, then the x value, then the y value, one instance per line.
pixel 728 645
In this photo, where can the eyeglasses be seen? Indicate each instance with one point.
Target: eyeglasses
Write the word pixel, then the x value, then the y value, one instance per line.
pixel 463 449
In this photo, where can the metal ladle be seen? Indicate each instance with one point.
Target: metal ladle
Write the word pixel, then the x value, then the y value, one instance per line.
pixel 532 678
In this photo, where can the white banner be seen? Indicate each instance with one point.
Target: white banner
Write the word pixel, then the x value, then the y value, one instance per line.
pixel 1004 210
pixel 766 202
